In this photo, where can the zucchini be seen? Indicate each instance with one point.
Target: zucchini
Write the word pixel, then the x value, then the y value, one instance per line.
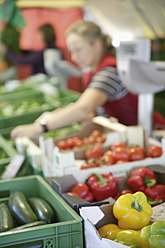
pixel 6 219
pixel 29 225
pixel 42 209
pixel 21 209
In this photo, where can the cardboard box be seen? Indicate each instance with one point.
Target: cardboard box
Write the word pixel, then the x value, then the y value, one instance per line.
pixel 57 163
pixel 32 152
pixel 62 184
pixel 97 216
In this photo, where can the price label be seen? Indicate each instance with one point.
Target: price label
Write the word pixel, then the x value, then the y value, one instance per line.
pixel 13 167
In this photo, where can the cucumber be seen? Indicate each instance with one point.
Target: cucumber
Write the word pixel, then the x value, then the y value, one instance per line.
pixel 6 219
pixel 42 209
pixel 29 225
pixel 21 209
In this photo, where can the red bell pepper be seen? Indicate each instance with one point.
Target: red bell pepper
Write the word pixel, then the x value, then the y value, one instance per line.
pixel 82 190
pixel 141 178
pixel 156 194
pixel 103 186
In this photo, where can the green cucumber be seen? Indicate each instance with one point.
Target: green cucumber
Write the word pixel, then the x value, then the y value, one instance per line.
pixel 6 219
pixel 29 225
pixel 42 209
pixel 21 209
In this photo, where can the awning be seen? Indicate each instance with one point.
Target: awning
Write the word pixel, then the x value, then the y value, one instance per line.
pixel 49 3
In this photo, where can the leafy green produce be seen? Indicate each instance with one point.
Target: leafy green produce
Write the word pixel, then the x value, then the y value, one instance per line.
pixel 6 109
pixel 62 132
pixel 3 154
pixel 10 38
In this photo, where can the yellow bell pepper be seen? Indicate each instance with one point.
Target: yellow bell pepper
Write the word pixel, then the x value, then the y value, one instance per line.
pixel 109 231
pixel 130 238
pixel 132 211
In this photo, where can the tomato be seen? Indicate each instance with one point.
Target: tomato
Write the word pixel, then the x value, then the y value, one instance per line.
pixel 62 144
pixel 120 153
pixel 136 154
pixel 155 151
pixel 121 161
pixel 93 152
pixel 79 188
pixel 91 140
pixel 70 143
pixel 96 133
pixel 88 165
pixel 108 158
pixel 78 142
pixel 118 144
pixel 138 148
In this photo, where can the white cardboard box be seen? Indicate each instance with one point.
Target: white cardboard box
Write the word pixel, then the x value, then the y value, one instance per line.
pixel 94 217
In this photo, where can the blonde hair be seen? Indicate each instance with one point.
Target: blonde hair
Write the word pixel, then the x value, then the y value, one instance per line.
pixel 91 31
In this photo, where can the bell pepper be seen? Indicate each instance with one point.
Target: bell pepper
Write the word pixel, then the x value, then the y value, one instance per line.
pixel 153 236
pixel 82 190
pixel 141 178
pixel 109 231
pixel 155 194
pixel 132 211
pixel 130 238
pixel 103 185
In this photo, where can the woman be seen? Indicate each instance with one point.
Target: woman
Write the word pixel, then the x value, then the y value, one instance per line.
pixel 36 58
pixel 91 49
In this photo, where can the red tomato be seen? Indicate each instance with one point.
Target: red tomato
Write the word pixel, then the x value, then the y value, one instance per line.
pixel 108 158
pixel 120 153
pixel 70 143
pixel 88 165
pixel 78 142
pixel 117 144
pixel 136 154
pixel 62 144
pixel 91 140
pixel 138 148
pixel 94 152
pixel 155 151
pixel 96 133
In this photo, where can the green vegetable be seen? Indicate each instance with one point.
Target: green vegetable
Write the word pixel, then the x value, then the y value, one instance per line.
pixel 20 208
pixel 29 225
pixel 42 209
pixel 153 236
pixel 6 220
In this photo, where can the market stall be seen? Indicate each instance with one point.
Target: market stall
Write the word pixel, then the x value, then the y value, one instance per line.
pixel 95 183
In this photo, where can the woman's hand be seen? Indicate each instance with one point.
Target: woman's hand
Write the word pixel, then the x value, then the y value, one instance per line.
pixel 31 131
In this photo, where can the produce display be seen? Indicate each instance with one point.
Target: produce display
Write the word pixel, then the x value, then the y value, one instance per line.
pixel 20 213
pixel 117 154
pixel 134 228
pixel 6 109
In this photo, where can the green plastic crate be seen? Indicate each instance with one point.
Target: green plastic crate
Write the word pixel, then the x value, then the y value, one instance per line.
pixel 7 148
pixel 68 96
pixel 30 115
pixel 67 232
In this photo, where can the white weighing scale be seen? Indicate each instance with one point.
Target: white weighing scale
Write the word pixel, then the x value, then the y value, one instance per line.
pixel 141 76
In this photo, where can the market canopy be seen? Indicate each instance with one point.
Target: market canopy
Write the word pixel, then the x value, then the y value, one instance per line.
pixel 128 19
